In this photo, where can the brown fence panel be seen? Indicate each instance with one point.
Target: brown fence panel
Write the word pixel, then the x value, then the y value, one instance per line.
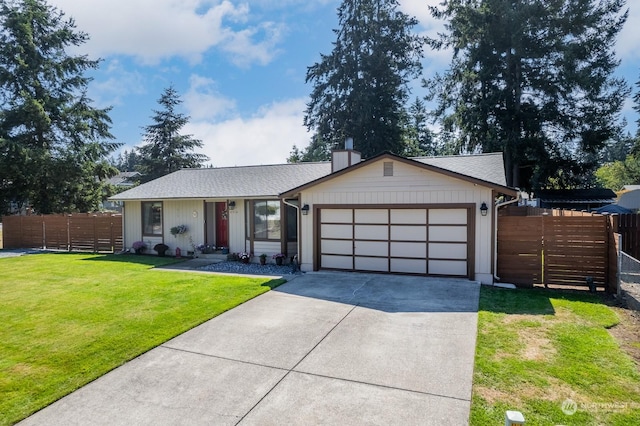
pixel 628 225
pixel 32 232
pixel 12 232
pixel 575 247
pixel 117 233
pixel 520 250
pixel 76 232
pixel 82 233
pixel 56 228
pixel 556 247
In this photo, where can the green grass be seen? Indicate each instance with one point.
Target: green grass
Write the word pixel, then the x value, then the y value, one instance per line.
pixel 70 318
pixel 538 348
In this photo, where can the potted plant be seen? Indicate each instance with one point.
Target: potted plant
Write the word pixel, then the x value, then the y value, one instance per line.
pixel 263 259
pixel 139 247
pixel 244 257
pixel 176 230
pixel 161 249
pixel 279 258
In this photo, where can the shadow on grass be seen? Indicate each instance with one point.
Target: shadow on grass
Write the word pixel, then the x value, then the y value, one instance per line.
pixel 274 283
pixel 139 259
pixel 529 301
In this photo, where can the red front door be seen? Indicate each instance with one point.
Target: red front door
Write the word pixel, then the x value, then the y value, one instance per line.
pixel 222 225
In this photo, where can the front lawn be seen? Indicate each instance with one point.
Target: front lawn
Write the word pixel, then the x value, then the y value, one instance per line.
pixel 550 355
pixel 67 319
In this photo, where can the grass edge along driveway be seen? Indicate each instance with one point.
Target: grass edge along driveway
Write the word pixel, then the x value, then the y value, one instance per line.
pixel 68 319
pixel 537 349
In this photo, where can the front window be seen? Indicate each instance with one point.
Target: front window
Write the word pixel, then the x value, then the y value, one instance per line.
pixel 152 218
pixel 266 220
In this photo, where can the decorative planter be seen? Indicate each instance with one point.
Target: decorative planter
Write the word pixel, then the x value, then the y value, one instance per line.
pixel 279 261
pixel 263 260
pixel 244 260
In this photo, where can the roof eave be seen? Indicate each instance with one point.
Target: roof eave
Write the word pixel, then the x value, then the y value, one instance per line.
pixel 500 188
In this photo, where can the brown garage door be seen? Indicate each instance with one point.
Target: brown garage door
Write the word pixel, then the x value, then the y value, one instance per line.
pixel 430 241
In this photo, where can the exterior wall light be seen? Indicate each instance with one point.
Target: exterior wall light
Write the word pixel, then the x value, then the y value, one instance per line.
pixel 484 209
pixel 305 209
pixel 232 205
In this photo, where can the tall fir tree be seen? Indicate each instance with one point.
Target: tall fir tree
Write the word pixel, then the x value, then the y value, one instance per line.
pixel 533 79
pixel 54 144
pixel 165 150
pixel 361 87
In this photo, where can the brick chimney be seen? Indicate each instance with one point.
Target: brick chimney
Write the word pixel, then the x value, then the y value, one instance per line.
pixel 343 158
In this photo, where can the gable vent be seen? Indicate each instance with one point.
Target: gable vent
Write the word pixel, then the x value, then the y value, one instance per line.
pixel 388 168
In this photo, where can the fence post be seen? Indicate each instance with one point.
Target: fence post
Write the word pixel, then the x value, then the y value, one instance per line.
pixel 544 217
pixel 619 271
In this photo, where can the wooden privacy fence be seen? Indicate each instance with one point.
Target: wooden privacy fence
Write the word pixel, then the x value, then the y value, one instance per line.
pixel 75 232
pixel 628 226
pixel 556 248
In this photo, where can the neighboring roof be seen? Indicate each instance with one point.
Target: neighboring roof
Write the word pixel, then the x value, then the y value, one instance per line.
pixel 577 196
pixel 613 208
pixel 630 199
pixel 227 182
pixel 122 179
pixel 483 169
pixel 630 187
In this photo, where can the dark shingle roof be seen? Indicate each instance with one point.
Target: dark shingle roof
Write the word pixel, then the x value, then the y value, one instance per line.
pixel 487 167
pixel 272 180
pixel 228 182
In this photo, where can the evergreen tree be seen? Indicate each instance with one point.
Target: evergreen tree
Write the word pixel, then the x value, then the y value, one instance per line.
pixel 165 150
pixel 53 144
pixel 420 141
pixel 360 88
pixel 126 161
pixel 533 79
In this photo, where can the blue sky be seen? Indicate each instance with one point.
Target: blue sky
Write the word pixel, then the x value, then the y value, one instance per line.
pixel 238 66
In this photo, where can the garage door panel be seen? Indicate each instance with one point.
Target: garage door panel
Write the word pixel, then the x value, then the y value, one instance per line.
pixel 448 251
pixel 336 247
pixel 411 266
pixel 371 232
pixel 448 216
pixel 448 233
pixel 372 216
pixel 408 233
pixel 336 231
pixel 337 215
pixel 417 241
pixel 448 267
pixel 372 248
pixel 336 262
pixel 372 264
pixel 409 216
pixel 416 250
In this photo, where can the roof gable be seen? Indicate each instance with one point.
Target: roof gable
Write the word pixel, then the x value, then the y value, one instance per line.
pixel 479 165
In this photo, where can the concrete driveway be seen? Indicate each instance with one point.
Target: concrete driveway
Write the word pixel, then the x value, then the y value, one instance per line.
pixel 325 348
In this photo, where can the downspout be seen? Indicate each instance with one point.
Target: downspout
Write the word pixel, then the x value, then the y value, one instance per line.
pixel 299 229
pixel 495 235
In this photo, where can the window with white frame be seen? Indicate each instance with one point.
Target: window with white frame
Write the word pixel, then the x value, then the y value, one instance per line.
pixel 152 218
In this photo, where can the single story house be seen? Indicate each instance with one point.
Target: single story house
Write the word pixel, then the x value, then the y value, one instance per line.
pixel 389 214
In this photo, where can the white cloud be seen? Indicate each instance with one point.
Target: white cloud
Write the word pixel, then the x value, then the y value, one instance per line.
pixel 119 84
pixel 627 46
pixel 265 138
pixel 203 101
pixel 152 30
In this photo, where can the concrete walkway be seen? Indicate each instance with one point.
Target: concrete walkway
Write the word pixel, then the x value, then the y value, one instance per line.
pixel 324 348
